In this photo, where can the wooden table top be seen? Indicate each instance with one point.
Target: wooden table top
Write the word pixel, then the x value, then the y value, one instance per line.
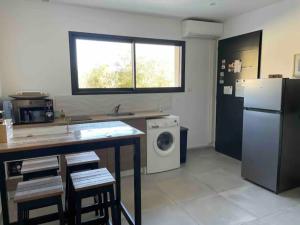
pixel 56 136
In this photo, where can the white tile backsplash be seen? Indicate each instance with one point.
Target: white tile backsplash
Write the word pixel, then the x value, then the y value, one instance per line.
pixel 101 104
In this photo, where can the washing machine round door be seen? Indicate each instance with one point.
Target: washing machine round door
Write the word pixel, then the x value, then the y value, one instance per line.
pixel 164 143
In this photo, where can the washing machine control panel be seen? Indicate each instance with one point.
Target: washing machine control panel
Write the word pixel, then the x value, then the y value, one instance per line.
pixel 163 122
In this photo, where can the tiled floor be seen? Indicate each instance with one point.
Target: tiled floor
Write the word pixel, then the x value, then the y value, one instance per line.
pixel 208 190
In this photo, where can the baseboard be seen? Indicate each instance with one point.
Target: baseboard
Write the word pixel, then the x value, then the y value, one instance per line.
pixel 200 147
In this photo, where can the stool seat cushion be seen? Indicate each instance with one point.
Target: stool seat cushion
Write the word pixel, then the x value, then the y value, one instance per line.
pixel 40 164
pixel 38 189
pixel 82 158
pixel 91 179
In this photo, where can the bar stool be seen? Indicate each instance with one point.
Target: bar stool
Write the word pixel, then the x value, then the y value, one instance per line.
pixel 90 183
pixel 36 194
pixel 80 162
pixel 40 167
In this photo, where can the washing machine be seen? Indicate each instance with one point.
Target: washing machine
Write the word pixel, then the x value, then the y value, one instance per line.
pixel 163 144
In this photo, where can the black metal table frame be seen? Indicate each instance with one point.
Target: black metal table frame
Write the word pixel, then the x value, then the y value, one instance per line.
pixel 81 147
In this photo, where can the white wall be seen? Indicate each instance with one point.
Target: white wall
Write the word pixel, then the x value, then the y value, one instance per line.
pixel 281 34
pixel 35 56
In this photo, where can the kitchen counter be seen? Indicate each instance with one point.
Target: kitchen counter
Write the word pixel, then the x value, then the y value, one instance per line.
pixel 98 118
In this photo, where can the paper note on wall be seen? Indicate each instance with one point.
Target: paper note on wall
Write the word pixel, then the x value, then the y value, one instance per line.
pixel 239 88
pixel 227 90
pixel 237 66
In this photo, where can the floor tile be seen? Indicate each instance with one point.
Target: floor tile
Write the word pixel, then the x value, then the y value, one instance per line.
pixel 256 222
pixel 229 164
pixel 206 160
pixel 200 167
pixel 216 210
pixel 261 202
pixel 168 216
pixel 284 217
pixel 184 188
pixel 221 180
pixel 152 196
pixel 200 163
pixel 157 177
pixel 287 217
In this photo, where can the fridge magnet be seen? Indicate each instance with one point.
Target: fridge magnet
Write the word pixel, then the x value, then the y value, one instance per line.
pixel 222 74
pixel 221 82
pixel 297 66
pixel 227 90
pixel 231 67
pixel 237 66
pixel 223 66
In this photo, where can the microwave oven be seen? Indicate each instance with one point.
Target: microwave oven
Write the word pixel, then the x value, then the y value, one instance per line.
pixel 32 111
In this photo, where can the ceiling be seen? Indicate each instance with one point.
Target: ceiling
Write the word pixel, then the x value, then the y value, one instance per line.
pixel 203 9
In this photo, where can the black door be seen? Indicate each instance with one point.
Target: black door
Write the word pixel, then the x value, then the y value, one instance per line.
pixel 238 59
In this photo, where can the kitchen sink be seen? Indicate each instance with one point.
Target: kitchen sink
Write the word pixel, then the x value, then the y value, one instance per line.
pixel 121 114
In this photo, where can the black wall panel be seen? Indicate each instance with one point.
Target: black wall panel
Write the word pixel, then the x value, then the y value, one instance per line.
pixel 229 110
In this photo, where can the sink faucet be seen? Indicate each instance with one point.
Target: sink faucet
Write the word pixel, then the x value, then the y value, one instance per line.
pixel 116 109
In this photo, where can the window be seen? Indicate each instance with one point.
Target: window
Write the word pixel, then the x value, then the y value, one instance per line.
pixel 106 64
pixel 103 64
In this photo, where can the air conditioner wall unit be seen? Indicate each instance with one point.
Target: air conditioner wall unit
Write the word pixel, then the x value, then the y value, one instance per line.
pixel 202 29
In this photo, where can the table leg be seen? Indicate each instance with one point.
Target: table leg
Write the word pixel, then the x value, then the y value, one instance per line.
pixel 67 190
pixel 137 182
pixel 71 206
pixel 118 183
pixel 4 203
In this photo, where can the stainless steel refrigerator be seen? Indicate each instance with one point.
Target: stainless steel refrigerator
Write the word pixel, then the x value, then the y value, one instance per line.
pixel 271 133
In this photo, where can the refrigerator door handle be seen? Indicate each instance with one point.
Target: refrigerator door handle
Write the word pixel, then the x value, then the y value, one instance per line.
pixel 262 110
